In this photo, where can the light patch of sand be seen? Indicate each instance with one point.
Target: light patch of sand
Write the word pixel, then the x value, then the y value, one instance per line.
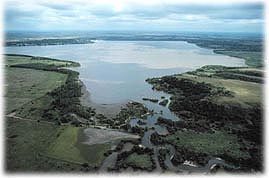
pixel 100 136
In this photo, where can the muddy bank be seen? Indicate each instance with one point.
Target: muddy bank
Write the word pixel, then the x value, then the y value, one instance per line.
pixel 108 110
pixel 99 136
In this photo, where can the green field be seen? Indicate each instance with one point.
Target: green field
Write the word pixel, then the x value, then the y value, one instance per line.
pixel 29 84
pixel 142 161
pixel 26 144
pixel 33 143
pixel 27 140
pixel 69 146
pixel 19 59
pixel 213 144
pixel 34 110
pixel 253 59
pixel 63 147
pixel 245 93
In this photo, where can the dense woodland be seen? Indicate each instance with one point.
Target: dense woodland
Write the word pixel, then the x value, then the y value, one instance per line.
pixel 193 102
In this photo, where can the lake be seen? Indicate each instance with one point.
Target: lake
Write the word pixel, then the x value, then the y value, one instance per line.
pixel 115 71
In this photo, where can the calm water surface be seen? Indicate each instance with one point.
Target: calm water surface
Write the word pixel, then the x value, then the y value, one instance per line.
pixel 115 71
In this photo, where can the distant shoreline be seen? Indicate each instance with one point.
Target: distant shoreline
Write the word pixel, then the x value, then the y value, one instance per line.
pixel 219 45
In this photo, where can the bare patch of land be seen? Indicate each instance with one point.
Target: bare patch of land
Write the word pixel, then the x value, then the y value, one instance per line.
pixel 99 136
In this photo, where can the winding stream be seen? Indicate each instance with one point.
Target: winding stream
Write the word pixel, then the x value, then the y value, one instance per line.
pixel 115 71
pixel 161 130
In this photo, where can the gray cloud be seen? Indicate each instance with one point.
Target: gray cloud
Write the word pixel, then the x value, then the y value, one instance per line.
pixel 95 16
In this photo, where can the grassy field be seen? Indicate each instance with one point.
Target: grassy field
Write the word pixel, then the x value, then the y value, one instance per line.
pixel 63 147
pixel 29 84
pixel 34 110
pixel 26 145
pixel 19 59
pixel 142 161
pixel 44 145
pixel 28 140
pixel 217 143
pixel 253 59
pixel 69 146
pixel 245 93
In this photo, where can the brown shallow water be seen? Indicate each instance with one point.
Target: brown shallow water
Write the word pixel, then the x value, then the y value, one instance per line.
pixel 108 110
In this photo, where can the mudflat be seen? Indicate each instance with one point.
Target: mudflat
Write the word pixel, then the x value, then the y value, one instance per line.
pixel 99 136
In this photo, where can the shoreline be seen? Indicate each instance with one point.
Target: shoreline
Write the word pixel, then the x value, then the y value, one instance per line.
pixel 215 50
pixel 108 110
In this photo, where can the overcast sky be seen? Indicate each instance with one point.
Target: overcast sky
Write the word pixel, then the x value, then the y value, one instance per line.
pixel 144 15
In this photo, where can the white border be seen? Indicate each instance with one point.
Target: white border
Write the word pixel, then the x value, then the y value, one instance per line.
pixel 266 89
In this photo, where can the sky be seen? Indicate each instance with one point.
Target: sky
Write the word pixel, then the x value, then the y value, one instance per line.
pixel 134 15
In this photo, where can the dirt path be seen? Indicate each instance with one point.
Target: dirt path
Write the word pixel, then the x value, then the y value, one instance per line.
pixel 13 115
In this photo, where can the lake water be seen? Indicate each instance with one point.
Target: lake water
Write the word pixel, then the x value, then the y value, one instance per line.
pixel 115 71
